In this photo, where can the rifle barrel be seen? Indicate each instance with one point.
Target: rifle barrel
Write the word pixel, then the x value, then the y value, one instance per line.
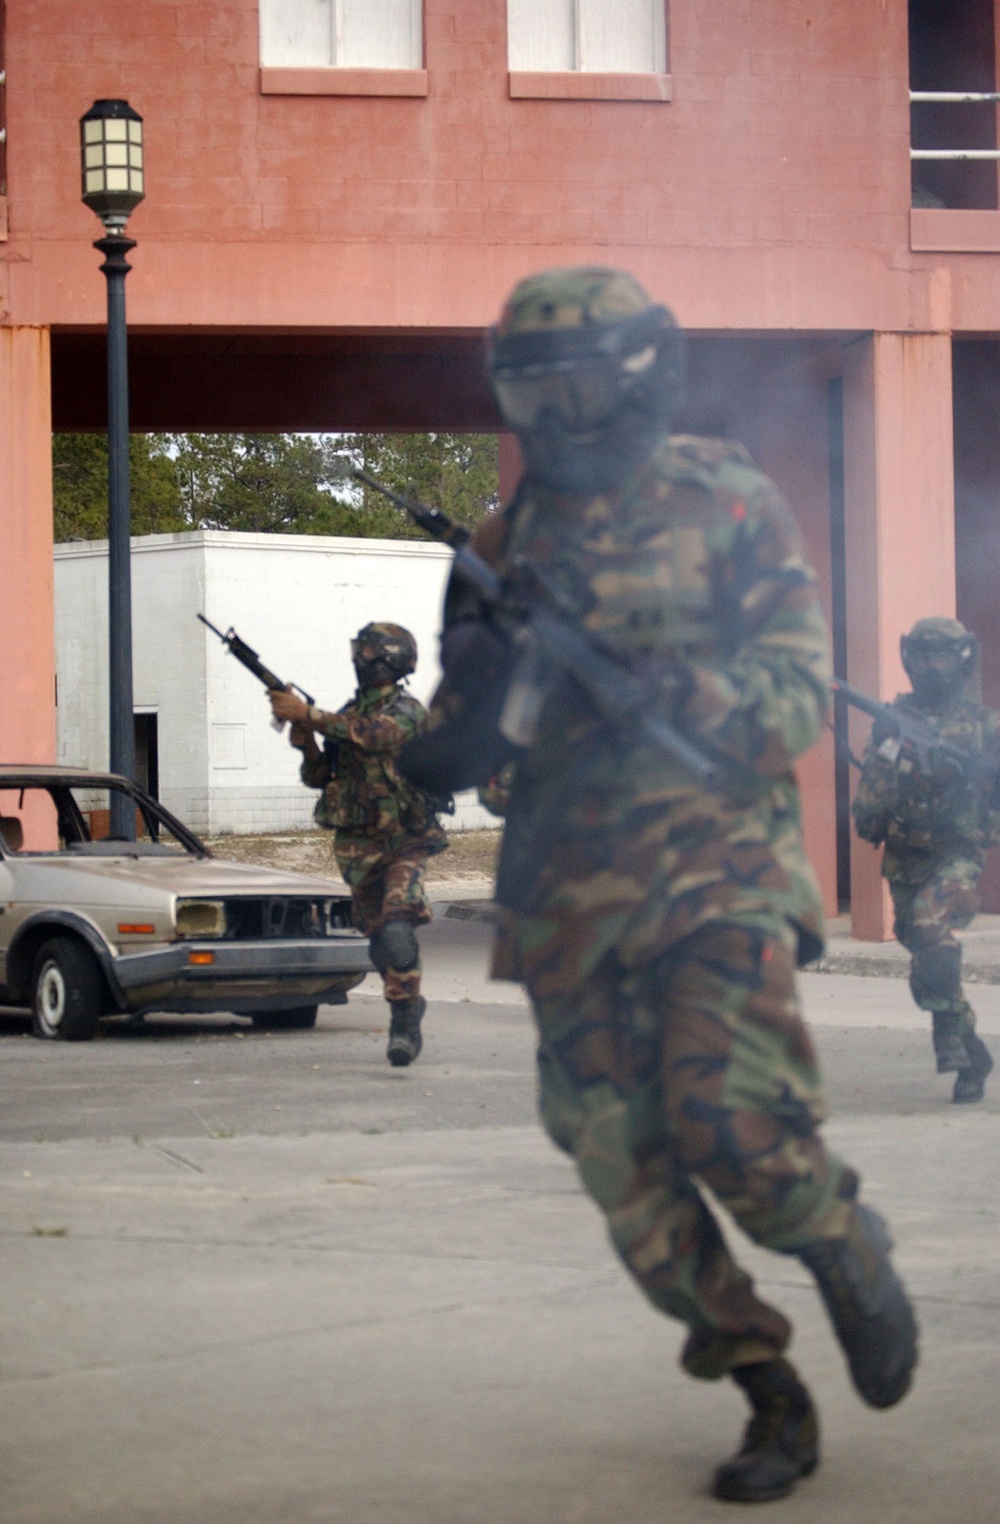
pixel 248 657
pixel 431 519
pixel 212 627
pixel 857 698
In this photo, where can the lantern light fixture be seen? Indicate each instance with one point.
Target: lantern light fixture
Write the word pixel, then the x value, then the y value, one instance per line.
pixel 112 171
pixel 113 185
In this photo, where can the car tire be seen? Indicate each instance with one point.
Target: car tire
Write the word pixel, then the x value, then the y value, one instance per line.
pixel 67 992
pixel 296 1020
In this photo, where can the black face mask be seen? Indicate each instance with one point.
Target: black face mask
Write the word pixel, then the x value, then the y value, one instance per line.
pixel 373 674
pixel 565 461
pixel 936 681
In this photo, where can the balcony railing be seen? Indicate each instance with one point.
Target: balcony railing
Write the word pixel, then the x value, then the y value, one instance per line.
pixel 954 98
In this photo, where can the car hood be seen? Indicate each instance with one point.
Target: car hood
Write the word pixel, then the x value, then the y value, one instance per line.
pixel 206 878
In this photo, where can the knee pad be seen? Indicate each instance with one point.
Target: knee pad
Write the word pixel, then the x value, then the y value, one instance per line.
pixel 376 954
pixel 936 972
pixel 397 946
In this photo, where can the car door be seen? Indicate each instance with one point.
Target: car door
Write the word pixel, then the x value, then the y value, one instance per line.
pixel 6 895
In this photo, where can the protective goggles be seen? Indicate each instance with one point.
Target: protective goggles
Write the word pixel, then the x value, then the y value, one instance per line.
pixel 582 398
pixel 578 376
pixel 931 647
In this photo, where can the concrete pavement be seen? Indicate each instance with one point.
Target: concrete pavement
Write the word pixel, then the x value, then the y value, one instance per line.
pixel 843 955
pixel 401 1308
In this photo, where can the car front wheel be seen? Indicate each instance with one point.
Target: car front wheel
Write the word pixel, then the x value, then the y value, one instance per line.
pixel 296 1020
pixel 67 995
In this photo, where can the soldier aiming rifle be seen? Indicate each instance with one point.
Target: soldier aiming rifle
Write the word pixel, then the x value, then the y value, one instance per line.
pixel 385 828
pixel 929 797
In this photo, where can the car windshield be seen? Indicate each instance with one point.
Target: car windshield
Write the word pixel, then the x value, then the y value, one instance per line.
pixel 88 817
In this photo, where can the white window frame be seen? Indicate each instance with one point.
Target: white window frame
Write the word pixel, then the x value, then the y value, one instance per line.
pixel 568 48
pixel 330 47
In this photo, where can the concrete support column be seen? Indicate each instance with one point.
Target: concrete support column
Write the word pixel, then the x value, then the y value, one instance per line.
pixel 900 536
pixel 27 692
pixel 511 465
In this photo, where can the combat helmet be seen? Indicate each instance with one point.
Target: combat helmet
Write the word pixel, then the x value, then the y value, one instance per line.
pixel 586 369
pixel 383 653
pixel 940 656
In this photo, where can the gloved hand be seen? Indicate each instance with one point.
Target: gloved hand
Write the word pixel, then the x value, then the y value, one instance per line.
pixel 288 706
pixel 474 656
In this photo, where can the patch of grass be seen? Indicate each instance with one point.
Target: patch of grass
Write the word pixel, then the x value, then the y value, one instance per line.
pixel 471 854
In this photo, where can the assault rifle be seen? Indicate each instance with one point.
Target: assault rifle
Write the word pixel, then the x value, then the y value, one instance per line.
pixel 921 734
pixel 538 620
pixel 248 658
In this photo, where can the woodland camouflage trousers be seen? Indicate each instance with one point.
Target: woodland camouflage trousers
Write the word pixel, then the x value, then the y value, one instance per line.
pixel 699 1068
pixel 927 916
pixel 385 891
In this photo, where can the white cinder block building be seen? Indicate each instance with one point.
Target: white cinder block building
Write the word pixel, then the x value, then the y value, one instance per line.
pixel 205 745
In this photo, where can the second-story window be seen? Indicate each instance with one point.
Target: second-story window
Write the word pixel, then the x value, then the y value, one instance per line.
pixel 589 36
pixel 346 34
pixel 953 116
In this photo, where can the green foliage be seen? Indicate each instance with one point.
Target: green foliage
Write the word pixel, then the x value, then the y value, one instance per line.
pixel 80 486
pixel 259 483
pixel 457 473
pixel 273 483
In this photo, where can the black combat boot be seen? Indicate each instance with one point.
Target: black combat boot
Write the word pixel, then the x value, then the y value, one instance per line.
pixel 868 1306
pixel 949 1046
pixel 971 1083
pixel 405 1040
pixel 781 1442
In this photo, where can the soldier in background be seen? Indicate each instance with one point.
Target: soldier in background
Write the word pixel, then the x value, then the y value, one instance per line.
pixel 385 828
pixel 656 924
pixel 936 825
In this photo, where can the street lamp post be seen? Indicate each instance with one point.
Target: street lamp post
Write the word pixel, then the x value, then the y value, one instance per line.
pixel 112 186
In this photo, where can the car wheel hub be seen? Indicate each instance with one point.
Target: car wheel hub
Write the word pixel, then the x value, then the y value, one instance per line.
pixel 51 996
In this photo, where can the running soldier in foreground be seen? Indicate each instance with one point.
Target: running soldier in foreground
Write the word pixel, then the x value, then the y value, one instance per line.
pixel 656 923
pixel 936 819
pixel 385 828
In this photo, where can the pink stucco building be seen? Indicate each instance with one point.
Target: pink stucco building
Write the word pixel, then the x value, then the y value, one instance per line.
pixel 340 192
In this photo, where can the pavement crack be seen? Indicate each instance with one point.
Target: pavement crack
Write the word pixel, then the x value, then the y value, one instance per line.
pixel 171 1156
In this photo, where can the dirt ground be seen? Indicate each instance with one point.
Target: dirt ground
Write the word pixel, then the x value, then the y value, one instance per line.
pixel 471 855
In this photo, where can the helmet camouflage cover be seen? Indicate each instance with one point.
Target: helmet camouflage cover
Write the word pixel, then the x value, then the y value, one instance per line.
pixel 938 633
pixel 923 648
pixel 577 297
pixel 387 645
pixel 580 341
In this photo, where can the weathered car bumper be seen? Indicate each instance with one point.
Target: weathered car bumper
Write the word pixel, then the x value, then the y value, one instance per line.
pixel 241 976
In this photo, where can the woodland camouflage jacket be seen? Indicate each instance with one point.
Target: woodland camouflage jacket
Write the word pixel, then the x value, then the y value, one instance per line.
pixel 365 795
pixel 610 842
pixel 924 820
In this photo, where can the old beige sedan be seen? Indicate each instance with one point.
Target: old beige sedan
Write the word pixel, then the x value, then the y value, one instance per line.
pixel 110 906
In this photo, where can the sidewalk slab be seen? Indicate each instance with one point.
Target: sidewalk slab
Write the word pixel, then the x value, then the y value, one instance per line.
pixel 843 955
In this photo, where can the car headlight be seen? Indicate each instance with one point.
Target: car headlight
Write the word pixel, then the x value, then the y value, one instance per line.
pixel 200 918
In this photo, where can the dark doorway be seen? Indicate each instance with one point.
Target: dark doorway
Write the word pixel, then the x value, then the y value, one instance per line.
pixel 147 762
pixel 838 588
